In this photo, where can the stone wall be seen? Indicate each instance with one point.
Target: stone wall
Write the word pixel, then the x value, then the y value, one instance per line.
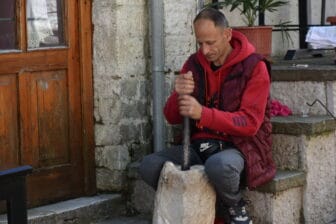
pixel 122 79
pixel 121 88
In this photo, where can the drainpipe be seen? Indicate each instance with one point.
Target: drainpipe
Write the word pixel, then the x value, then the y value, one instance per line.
pixel 157 72
pixel 200 4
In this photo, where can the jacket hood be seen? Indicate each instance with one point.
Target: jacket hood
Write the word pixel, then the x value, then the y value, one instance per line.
pixel 242 48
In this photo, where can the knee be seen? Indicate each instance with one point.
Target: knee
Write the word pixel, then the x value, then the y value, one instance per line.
pixel 145 166
pixel 149 170
pixel 220 168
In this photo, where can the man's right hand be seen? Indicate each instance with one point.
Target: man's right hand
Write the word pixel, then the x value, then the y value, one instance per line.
pixel 184 83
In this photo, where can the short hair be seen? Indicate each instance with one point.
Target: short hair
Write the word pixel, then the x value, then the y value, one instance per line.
pixel 214 15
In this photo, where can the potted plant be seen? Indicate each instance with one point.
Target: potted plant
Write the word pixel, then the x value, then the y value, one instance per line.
pixel 259 35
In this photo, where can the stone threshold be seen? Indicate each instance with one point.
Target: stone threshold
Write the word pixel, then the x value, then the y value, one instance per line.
pixel 305 67
pixel 301 125
pixel 83 210
pixel 284 180
pixel 314 73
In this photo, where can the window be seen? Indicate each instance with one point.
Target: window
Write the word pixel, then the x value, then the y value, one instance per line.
pixel 8 33
pixel 45 25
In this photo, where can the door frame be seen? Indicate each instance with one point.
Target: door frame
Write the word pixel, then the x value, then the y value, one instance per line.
pixel 86 74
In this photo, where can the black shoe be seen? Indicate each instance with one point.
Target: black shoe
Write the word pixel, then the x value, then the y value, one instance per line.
pixel 238 214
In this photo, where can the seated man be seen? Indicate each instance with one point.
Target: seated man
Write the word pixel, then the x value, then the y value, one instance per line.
pixel 224 89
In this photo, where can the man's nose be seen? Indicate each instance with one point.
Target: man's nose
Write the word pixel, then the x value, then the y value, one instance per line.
pixel 205 49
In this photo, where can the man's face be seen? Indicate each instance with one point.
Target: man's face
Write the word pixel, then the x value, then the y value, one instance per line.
pixel 213 41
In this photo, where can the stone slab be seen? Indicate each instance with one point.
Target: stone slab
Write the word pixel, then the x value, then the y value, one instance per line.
pixel 284 180
pixel 299 125
pixel 82 210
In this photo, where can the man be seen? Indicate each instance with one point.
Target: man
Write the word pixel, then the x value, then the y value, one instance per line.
pixel 224 89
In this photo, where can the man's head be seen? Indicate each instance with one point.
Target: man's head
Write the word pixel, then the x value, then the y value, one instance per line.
pixel 213 35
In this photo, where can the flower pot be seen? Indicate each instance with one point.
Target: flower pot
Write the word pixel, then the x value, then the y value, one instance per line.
pixel 260 37
pixel 332 20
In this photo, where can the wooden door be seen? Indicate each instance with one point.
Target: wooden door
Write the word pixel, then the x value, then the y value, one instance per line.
pixel 44 120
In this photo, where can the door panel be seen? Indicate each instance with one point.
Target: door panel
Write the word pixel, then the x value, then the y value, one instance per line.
pixel 8 122
pixel 45 118
pixel 41 102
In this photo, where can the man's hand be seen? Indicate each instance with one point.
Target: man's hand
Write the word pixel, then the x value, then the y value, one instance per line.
pixel 189 107
pixel 184 83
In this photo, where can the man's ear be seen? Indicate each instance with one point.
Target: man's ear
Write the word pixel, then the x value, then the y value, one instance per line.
pixel 228 33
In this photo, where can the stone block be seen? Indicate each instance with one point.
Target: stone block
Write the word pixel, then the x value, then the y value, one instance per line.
pixel 110 180
pixel 287 151
pixel 107 135
pixel 320 190
pixel 108 110
pixel 278 208
pixel 184 197
pixel 112 157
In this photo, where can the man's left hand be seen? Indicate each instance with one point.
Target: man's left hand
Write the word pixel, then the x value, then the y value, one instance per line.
pixel 189 107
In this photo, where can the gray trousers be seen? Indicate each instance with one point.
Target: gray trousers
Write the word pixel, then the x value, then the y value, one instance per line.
pixel 223 170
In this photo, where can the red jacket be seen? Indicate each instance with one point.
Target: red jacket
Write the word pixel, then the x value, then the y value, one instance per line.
pixel 237 121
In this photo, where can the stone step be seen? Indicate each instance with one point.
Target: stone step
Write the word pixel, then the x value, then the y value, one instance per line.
pixel 82 210
pixel 296 139
pixel 279 201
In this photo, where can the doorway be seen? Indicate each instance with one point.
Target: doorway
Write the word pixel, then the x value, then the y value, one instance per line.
pixel 45 96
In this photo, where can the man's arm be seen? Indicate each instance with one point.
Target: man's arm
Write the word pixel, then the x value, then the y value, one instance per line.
pixel 171 111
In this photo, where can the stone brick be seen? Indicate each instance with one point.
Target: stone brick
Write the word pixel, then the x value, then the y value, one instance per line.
pixel 129 88
pixel 106 135
pixel 129 132
pixel 110 180
pixel 108 110
pixel 112 157
pixel 135 110
pixel 286 151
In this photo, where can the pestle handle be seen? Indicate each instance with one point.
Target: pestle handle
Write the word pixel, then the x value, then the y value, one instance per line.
pixel 186 143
